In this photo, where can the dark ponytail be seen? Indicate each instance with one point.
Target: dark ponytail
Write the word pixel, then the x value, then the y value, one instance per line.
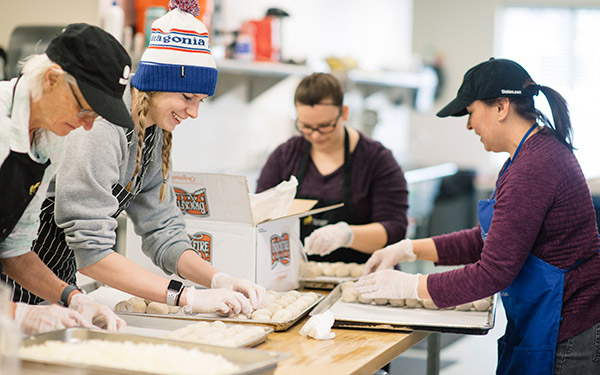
pixel 525 107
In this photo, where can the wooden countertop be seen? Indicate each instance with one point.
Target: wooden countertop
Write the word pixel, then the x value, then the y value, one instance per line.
pixel 352 351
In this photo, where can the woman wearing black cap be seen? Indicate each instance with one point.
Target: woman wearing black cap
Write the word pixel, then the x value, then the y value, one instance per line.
pixel 59 91
pixel 121 170
pixel 537 240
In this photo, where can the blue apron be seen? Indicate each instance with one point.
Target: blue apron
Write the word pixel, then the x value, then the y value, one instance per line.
pixel 533 304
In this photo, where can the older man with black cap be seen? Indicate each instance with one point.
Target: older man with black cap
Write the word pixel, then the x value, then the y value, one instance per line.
pixel 81 76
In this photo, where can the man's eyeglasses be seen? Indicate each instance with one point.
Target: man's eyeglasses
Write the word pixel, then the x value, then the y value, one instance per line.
pixel 84 114
pixel 321 129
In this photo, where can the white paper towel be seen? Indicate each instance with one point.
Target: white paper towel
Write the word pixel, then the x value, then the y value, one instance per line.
pixel 319 326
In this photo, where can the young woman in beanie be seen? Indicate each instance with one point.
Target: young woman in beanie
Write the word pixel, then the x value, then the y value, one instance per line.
pixel 129 171
pixel 65 88
pixel 536 242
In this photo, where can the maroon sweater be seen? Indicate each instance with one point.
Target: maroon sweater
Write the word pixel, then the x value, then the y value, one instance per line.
pixel 379 192
pixel 543 207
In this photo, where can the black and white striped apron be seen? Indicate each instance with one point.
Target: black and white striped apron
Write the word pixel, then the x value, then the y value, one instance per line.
pixel 51 245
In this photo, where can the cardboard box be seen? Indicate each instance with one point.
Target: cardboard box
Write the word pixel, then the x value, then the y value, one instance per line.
pixel 219 222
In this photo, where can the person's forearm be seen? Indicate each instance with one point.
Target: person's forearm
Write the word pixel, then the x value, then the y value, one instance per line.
pixel 192 267
pixel 32 274
pixel 425 249
pixel 121 273
pixel 11 309
pixel 422 290
pixel 368 237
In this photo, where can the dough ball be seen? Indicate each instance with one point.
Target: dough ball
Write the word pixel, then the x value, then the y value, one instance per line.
pixel 282 316
pixel 124 306
pixel 273 293
pixel 310 270
pixel 364 300
pixel 428 304
pixel 347 285
pixel 342 270
pixel 264 311
pixel 329 270
pixel 381 301
pixel 294 293
pixel 482 304
pixel 269 299
pixel 356 270
pixel 398 302
pixel 139 304
pixel 173 309
pixel 412 302
pixel 349 295
pixel 274 307
pixel 294 310
pixel 157 308
pixel 261 317
pixel 218 324
pixel 464 306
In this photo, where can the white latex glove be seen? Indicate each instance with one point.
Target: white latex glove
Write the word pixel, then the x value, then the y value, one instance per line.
pixel 388 284
pixel 389 256
pixel 34 319
pixel 254 292
pixel 100 315
pixel 224 301
pixel 328 238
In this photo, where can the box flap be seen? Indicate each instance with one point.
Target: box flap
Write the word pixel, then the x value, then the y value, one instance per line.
pixel 301 205
pixel 212 196
pixel 306 213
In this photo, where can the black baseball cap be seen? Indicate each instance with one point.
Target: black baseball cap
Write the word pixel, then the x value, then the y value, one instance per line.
pixel 494 78
pixel 100 65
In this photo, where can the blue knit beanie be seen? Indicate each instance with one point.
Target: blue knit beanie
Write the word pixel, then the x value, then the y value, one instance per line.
pixel 178 58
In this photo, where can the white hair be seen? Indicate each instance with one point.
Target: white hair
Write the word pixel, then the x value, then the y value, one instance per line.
pixel 34 68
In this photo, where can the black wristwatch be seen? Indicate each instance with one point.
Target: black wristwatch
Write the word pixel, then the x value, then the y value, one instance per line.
pixel 174 292
pixel 64 296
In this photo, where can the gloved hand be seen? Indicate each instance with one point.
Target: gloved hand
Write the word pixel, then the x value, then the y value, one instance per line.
pixel 388 284
pixel 100 315
pixel 328 238
pixel 254 292
pixel 33 319
pixel 389 256
pixel 224 301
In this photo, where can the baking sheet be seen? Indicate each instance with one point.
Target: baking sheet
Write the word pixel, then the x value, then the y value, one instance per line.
pixel 109 296
pixel 324 282
pixel 357 315
pixel 250 361
pixel 156 327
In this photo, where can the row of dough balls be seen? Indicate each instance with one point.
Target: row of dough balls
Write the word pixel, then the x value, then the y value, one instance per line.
pixel 143 306
pixel 281 306
pixel 351 295
pixel 313 269
pixel 217 333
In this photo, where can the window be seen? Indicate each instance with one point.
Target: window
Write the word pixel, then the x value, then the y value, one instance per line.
pixel 560 48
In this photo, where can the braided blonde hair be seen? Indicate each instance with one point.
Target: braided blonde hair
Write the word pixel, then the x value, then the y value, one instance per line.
pixel 142 103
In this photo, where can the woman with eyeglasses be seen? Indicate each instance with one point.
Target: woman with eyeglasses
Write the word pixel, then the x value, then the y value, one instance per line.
pixel 334 163
pixel 79 76
pixel 129 171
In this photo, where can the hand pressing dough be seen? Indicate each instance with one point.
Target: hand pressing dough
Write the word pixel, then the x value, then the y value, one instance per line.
pixel 157 308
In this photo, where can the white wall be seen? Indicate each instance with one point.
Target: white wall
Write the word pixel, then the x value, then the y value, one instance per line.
pixel 462 31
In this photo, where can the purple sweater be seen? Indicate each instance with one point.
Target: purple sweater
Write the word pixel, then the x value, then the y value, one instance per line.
pixel 543 206
pixel 379 191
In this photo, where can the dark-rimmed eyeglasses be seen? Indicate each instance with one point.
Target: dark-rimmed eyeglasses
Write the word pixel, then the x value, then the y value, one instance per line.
pixel 321 129
pixel 84 114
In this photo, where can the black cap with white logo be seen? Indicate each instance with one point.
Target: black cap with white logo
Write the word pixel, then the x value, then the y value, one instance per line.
pixel 100 65
pixel 491 79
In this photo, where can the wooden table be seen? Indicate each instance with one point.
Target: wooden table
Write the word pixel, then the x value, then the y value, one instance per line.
pixel 352 351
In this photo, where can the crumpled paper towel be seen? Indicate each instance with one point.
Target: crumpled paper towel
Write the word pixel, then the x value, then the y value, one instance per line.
pixel 319 326
pixel 274 202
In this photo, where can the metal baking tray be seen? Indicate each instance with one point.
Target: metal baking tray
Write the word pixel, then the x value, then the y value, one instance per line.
pixel 357 315
pixel 277 326
pixel 324 282
pixel 150 326
pixel 250 361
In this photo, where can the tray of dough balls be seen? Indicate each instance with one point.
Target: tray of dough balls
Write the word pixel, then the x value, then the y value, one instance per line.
pixel 326 275
pixel 95 352
pixel 351 310
pixel 280 311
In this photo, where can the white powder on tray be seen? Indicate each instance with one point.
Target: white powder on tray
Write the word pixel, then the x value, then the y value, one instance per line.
pixel 154 358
